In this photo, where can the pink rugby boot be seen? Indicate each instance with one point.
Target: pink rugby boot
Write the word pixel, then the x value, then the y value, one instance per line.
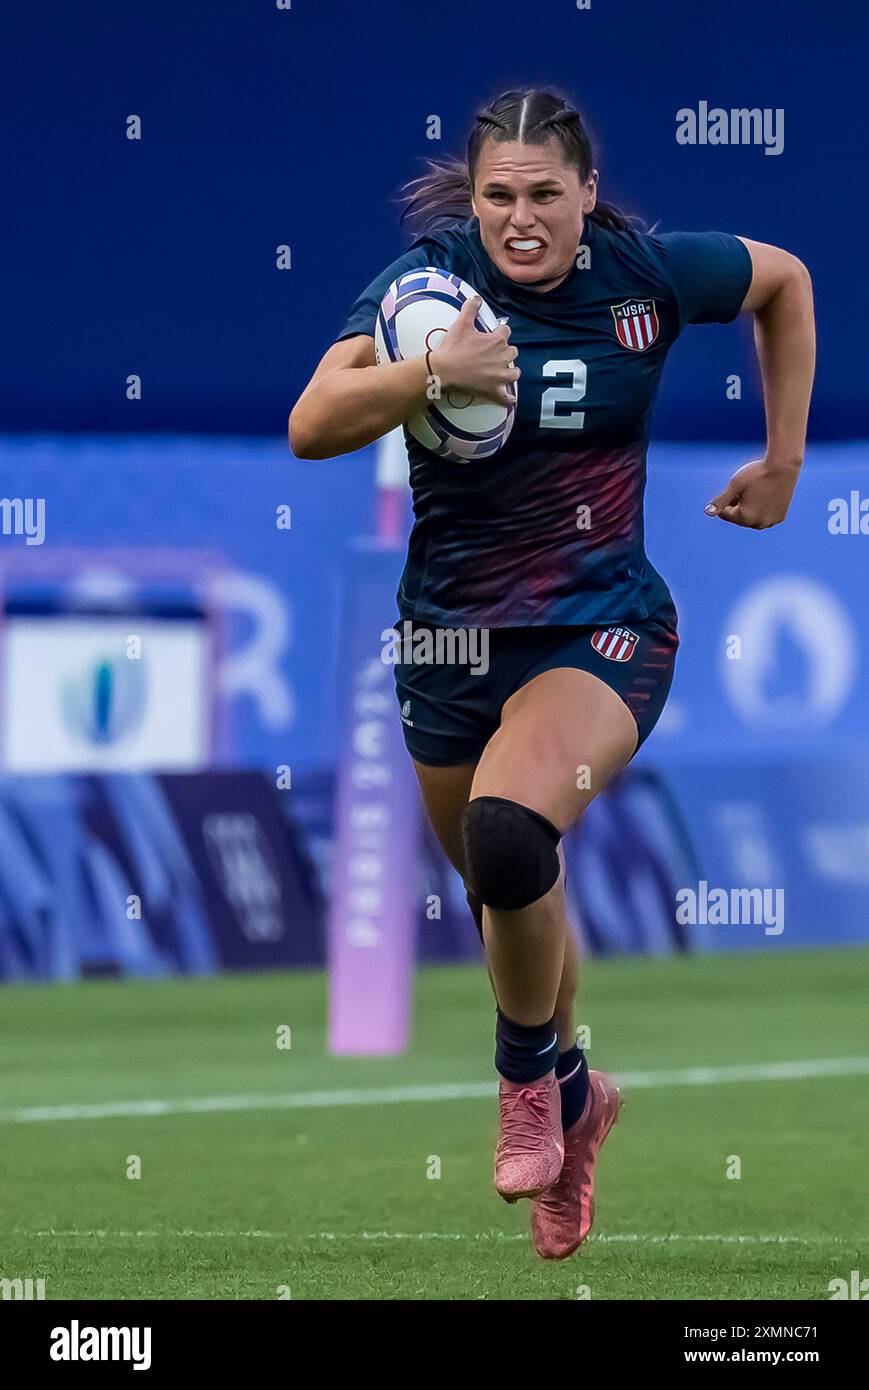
pixel 530 1149
pixel 562 1217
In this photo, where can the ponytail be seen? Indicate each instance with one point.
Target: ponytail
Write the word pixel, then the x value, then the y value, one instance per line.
pixel 438 197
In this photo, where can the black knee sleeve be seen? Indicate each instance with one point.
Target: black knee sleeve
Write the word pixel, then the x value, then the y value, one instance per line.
pixel 510 852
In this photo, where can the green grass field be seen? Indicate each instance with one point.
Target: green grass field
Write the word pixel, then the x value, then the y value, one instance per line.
pixel 332 1200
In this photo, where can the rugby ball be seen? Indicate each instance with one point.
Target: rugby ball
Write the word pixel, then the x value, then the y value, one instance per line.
pixel 414 315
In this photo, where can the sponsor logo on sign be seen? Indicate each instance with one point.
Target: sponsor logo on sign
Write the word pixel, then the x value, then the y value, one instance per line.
pixel 637 324
pixel 106 701
pixel 615 643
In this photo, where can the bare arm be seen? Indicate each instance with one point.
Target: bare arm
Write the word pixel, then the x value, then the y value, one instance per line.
pixel 350 401
pixel 780 297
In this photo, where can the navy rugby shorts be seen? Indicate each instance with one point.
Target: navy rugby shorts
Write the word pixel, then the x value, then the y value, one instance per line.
pixel 450 709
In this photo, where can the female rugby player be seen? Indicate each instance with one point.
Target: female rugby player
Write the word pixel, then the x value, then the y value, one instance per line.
pixel 542 546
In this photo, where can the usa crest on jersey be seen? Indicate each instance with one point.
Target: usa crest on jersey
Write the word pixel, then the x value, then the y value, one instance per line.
pixel 637 324
pixel 615 643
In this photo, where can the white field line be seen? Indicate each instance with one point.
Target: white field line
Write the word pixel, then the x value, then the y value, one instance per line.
pixel 398 1095
pixel 622 1238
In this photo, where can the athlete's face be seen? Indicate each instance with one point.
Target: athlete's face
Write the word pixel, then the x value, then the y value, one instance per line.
pixel 531 207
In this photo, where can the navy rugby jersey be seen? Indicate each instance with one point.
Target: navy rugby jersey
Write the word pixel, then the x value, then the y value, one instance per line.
pixel 549 530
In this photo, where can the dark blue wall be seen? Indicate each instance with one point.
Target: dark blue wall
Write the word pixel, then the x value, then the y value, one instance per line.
pixel 264 126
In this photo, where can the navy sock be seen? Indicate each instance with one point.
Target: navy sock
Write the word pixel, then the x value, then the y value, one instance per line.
pixel 524 1054
pixel 572 1072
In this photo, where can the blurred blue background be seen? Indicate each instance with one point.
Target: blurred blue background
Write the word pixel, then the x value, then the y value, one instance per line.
pixel 264 127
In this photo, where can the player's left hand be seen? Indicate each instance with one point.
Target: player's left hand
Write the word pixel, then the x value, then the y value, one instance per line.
pixel 758 495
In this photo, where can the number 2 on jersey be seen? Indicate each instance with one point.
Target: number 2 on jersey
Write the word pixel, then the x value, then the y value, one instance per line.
pixel 563 395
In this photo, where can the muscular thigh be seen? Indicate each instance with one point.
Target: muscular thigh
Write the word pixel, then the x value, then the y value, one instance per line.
pixel 562 737
pixel 445 794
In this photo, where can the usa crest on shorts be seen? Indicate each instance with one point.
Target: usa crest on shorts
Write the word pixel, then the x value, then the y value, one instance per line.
pixel 637 324
pixel 615 643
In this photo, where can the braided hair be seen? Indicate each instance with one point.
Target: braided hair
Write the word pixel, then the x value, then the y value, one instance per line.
pixel 530 117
